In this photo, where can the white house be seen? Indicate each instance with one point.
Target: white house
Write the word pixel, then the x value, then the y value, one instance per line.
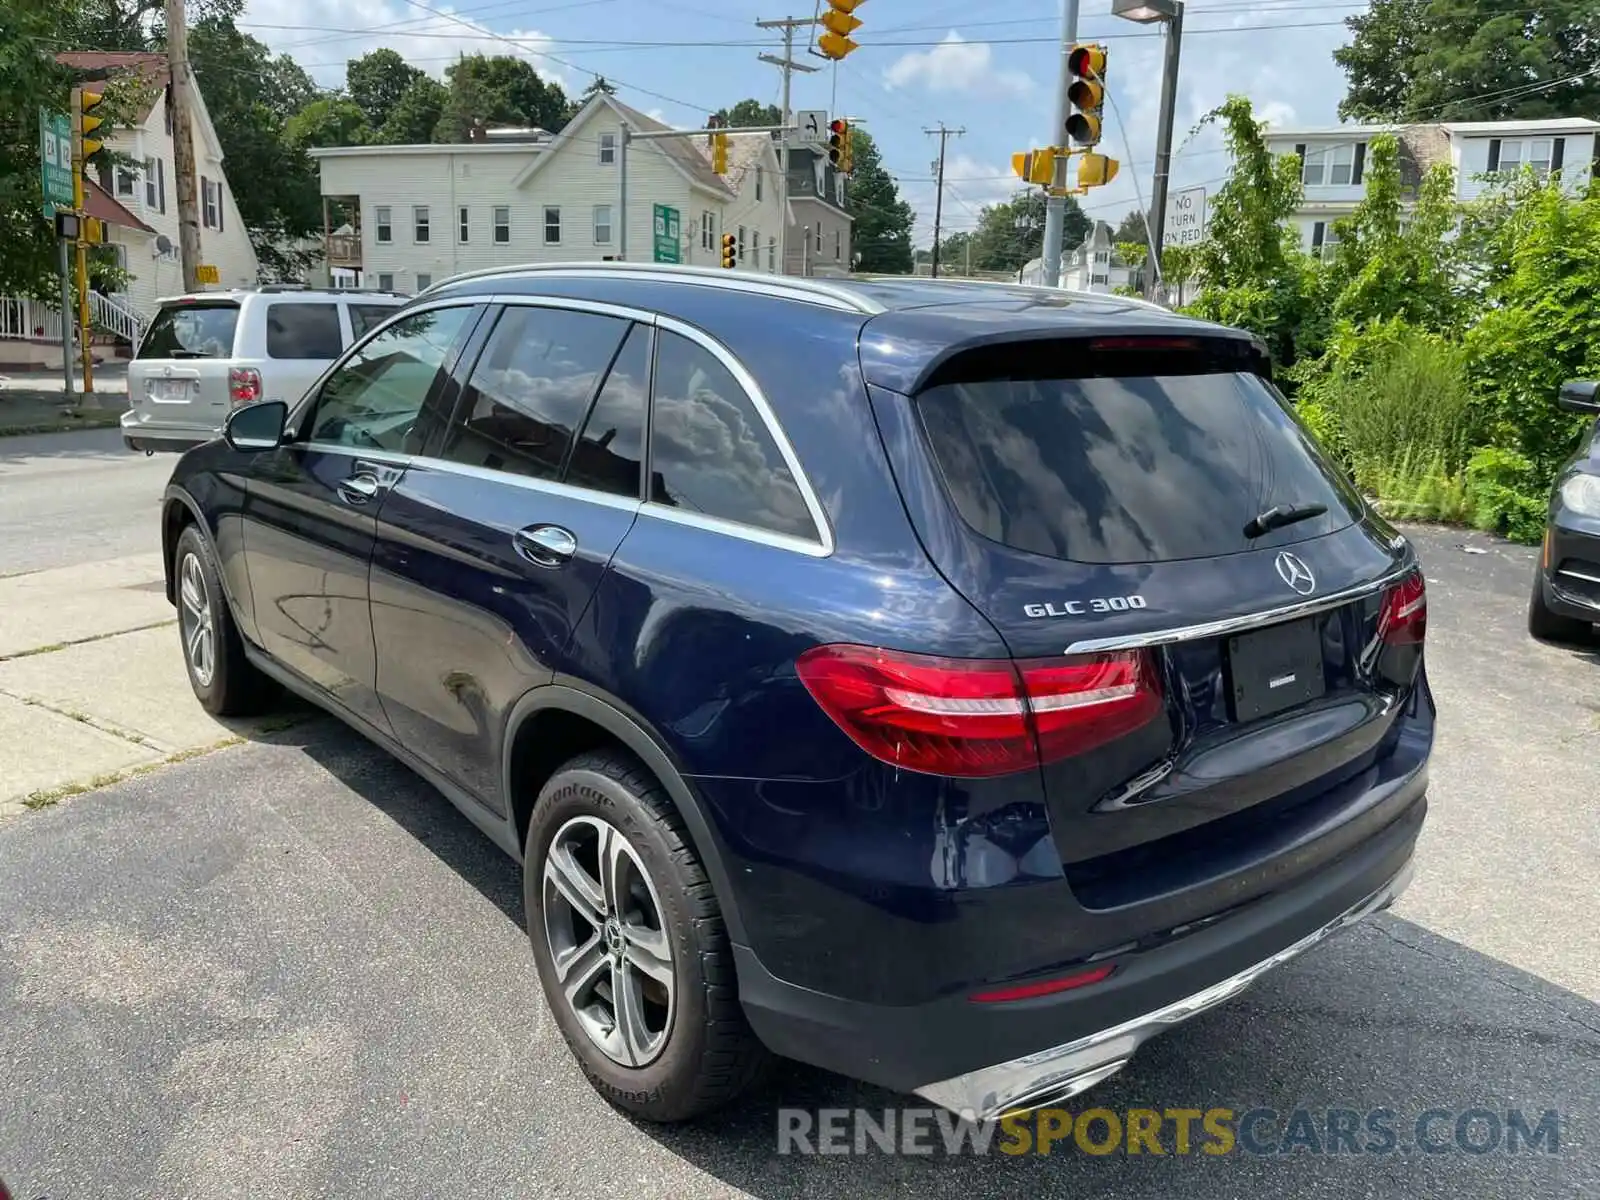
pixel 144 224
pixel 418 214
pixel 1334 160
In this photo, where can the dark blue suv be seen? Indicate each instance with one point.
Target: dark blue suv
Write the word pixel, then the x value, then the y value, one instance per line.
pixel 950 685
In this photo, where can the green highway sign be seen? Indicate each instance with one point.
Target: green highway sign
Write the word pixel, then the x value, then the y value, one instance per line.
pixel 55 160
pixel 667 230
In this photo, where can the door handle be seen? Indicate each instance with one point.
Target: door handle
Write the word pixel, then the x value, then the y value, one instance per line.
pixel 545 545
pixel 358 489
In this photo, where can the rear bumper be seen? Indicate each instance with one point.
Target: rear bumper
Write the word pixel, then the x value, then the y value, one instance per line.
pixel 152 437
pixel 986 1058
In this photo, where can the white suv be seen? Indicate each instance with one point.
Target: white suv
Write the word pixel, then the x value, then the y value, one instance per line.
pixel 206 354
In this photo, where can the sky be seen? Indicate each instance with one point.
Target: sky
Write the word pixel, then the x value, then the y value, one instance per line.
pixel 989 70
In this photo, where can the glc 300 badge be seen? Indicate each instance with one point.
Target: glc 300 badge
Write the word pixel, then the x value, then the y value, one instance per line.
pixel 1078 608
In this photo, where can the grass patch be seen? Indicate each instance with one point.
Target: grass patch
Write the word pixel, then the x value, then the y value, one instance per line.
pixel 67 423
pixel 84 641
pixel 49 797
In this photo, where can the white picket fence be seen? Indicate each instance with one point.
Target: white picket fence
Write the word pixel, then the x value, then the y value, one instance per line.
pixel 27 320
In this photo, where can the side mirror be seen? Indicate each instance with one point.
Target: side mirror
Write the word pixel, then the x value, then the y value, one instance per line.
pixel 257 426
pixel 1578 395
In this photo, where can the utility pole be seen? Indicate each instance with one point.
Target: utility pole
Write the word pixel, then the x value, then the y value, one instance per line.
pixel 1158 187
pixel 80 256
pixel 788 66
pixel 1055 209
pixel 183 167
pixel 944 134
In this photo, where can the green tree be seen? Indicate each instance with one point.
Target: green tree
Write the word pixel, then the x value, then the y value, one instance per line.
pixel 1252 270
pixel 747 113
pixel 596 86
pixel 881 236
pixel 415 114
pixel 955 253
pixel 1010 234
pixel 498 90
pixel 329 121
pixel 376 81
pixel 1477 60
pixel 1131 229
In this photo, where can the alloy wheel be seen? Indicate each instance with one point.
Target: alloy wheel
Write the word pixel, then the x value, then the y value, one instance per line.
pixel 608 942
pixel 195 620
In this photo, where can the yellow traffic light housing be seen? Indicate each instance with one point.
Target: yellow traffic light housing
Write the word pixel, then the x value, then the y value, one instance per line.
pixel 1036 166
pixel 840 22
pixel 87 123
pixel 1086 65
pixel 839 143
pixel 730 251
pixel 1096 170
pixel 719 152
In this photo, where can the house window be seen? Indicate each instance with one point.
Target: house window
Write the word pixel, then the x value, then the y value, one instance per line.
pixel 1323 238
pixel 422 231
pixel 608 149
pixel 385 282
pixel 708 231
pixel 383 225
pixel 772 254
pixel 552 226
pixel 1341 161
pixel 819 237
pixel 210 206
pixel 424 281
pixel 155 185
pixel 755 248
pixel 502 226
pixel 464 224
pixel 838 245
pixel 602 224
pixel 1331 165
pixel 760 178
pixel 127 182
pixel 741 243
pixel 1533 152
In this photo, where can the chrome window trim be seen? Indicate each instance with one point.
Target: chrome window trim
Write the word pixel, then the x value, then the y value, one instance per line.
pixel 1208 629
pixel 824 545
pixel 549 487
pixel 392 458
pixel 602 308
pixel 748 533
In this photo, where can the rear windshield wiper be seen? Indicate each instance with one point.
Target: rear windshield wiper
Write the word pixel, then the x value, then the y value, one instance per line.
pixel 180 352
pixel 1280 515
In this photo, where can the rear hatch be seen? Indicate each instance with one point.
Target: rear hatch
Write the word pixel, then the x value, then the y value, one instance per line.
pixel 1212 633
pixel 179 376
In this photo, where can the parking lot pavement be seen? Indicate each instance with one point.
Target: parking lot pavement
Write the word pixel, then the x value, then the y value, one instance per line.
pixel 290 968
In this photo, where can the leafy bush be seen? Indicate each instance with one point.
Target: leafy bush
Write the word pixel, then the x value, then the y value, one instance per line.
pixel 1422 487
pixel 1505 494
pixel 1323 424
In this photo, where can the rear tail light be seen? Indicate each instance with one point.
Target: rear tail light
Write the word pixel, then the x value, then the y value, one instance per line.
pixel 1047 987
pixel 244 385
pixel 979 717
pixel 1403 618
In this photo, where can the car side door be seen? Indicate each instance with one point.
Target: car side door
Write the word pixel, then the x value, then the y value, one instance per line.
pixel 491 546
pixel 310 505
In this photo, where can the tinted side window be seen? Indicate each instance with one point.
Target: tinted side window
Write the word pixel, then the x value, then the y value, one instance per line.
pixel 610 451
pixel 303 331
pixel 191 331
pixel 530 388
pixel 375 397
pixel 367 316
pixel 711 452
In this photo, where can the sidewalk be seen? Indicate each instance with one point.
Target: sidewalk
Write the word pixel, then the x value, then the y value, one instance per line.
pixel 36 403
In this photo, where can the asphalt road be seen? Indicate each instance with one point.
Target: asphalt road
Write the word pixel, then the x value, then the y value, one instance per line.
pixel 291 969
pixel 68 498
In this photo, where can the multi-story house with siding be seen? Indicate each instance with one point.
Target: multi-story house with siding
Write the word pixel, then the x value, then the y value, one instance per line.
pixel 1333 161
pixel 405 217
pixel 820 239
pixel 137 204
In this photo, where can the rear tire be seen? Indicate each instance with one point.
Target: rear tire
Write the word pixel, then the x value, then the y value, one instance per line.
pixel 1552 627
pixel 223 679
pixel 647 928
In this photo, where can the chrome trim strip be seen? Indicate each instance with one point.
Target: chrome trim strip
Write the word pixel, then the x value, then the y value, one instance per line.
pixel 549 487
pixel 1064 1071
pixel 1183 633
pixel 572 304
pixel 388 457
pixel 747 381
pixel 812 291
pixel 1579 575
pixel 749 533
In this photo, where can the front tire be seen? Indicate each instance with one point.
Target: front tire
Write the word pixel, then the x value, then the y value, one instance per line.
pixel 1547 626
pixel 213 650
pixel 630 944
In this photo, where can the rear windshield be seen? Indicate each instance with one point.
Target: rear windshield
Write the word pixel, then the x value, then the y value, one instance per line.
pixel 191 331
pixel 1128 468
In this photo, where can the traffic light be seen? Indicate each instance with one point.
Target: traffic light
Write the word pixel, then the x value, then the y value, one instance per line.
pixel 730 251
pixel 719 152
pixel 840 22
pixel 1086 64
pixel 1036 166
pixel 1096 170
pixel 839 143
pixel 87 123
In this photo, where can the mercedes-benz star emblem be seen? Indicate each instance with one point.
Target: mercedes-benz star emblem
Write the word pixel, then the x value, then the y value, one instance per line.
pixel 1295 573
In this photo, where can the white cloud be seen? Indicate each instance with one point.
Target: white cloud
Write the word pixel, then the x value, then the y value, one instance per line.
pixel 1278 113
pixel 957 65
pixel 970 184
pixel 428 41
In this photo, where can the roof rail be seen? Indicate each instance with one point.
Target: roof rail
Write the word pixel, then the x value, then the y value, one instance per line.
pixel 814 291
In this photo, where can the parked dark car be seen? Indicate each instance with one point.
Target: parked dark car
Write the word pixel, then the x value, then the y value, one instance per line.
pixel 1566 586
pixel 949 685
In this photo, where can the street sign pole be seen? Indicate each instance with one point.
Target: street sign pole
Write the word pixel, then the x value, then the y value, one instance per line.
pixel 66 321
pixel 57 188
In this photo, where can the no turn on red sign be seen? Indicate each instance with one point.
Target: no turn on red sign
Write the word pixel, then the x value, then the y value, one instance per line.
pixel 1186 218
